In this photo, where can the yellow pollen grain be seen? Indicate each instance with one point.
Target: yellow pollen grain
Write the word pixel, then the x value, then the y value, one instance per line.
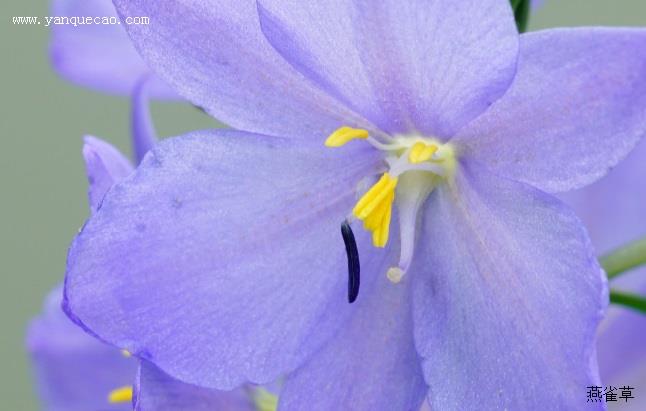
pixel 375 209
pixel 421 152
pixel 120 395
pixel 126 353
pixel 345 134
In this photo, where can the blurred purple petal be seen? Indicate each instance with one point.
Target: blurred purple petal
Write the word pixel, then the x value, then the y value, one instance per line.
pixel 415 66
pixel 144 136
pixel 508 298
pixel 104 166
pixel 221 236
pixel 156 391
pixel 74 371
pixel 574 110
pixel 99 56
pixel 371 365
pixel 213 53
pixel 613 210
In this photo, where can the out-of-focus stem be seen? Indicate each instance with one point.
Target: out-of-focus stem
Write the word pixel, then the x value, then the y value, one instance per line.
pixel 624 258
pixel 521 13
pixel 634 301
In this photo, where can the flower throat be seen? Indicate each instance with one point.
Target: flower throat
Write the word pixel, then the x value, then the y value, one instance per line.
pixel 414 167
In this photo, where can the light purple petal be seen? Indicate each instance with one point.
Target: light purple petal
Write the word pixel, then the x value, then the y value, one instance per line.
pixel 621 343
pixel 507 299
pixel 74 372
pixel 143 131
pixel 613 210
pixel 413 66
pixel 371 364
pixel 104 166
pixel 221 259
pixel 614 207
pixel 99 56
pixel 576 107
pixel 156 391
pixel 213 53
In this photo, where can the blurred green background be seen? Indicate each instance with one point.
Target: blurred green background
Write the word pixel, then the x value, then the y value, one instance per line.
pixel 42 180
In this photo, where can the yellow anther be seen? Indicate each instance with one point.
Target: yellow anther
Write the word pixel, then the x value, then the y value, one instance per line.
pixel 373 198
pixel 119 395
pixel 344 134
pixel 126 353
pixel 421 152
pixel 264 400
pixel 375 209
pixel 380 235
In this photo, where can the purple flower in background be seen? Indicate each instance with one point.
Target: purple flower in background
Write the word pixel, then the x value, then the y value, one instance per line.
pixel 613 210
pixel 74 371
pixel 101 57
pixel 220 260
pixel 98 56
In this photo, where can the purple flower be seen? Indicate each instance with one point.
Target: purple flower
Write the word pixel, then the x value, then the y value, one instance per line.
pixel 94 55
pixel 100 56
pixel 74 371
pixel 613 211
pixel 220 260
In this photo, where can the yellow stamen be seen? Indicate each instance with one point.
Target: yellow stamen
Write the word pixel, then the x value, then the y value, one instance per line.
pixel 373 221
pixel 421 152
pixel 373 198
pixel 264 400
pixel 385 225
pixel 122 394
pixel 343 135
pixel 126 353
pixel 375 209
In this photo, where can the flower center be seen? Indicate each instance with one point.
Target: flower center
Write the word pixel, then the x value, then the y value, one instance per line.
pixel 415 166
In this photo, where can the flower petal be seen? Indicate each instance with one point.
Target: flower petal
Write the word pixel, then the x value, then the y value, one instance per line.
pixel 104 166
pixel 508 297
pixel 156 391
pixel 213 53
pixel 576 107
pixel 74 371
pixel 613 212
pixel 371 364
pixel 144 136
pixel 221 259
pixel 99 56
pixel 621 342
pixel 414 66
pixel 613 207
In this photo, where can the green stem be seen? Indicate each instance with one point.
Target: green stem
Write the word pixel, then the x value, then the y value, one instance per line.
pixel 521 13
pixel 625 258
pixel 633 301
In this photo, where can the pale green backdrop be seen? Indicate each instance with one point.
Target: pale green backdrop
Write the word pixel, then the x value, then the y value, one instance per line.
pixel 42 180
